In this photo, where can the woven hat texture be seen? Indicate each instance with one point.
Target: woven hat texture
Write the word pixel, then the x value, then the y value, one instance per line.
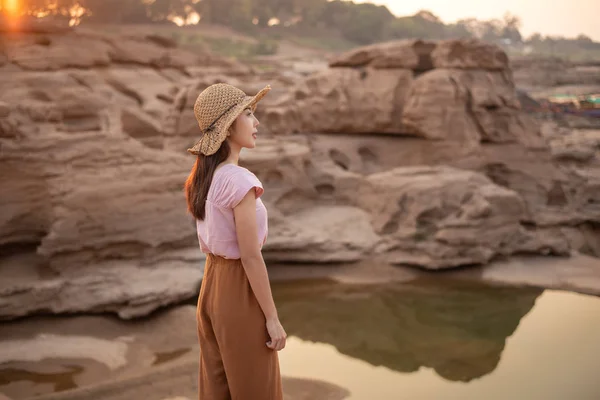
pixel 215 110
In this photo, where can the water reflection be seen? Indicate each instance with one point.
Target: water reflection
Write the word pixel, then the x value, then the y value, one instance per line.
pixel 457 329
pixel 60 380
pixel 34 378
pixel 164 357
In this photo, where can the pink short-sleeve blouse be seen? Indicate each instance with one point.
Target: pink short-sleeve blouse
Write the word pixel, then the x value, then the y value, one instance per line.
pixel 216 234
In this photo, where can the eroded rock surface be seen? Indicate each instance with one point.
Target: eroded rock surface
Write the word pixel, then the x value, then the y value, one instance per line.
pixel 416 152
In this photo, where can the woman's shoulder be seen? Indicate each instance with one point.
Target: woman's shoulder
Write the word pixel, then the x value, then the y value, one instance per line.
pixel 231 182
pixel 231 173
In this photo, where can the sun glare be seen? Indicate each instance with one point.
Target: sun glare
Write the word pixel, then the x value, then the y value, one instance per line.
pixel 11 7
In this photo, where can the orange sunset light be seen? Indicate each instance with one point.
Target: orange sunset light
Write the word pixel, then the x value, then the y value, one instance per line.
pixel 11 6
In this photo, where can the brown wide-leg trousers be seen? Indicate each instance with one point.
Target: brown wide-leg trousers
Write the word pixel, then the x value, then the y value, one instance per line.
pixel 235 362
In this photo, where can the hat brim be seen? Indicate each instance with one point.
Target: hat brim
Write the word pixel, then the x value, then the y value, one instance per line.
pixel 210 141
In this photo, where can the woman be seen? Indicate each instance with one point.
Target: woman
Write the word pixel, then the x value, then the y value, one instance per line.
pixel 238 327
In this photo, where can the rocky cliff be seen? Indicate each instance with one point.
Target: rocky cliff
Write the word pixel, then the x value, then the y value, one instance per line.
pixel 408 152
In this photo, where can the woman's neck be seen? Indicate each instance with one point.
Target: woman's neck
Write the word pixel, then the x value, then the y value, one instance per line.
pixel 234 155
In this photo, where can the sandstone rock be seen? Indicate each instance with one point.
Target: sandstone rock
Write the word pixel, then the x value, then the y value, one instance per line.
pixel 4 109
pixel 321 234
pixel 142 127
pixel 419 55
pixel 179 120
pixel 128 288
pixel 468 97
pixel 48 203
pixel 148 87
pixel 546 76
pixel 577 145
pixel 298 178
pixel 161 40
pixel 554 194
pixel 95 161
pixel 346 100
pixel 575 182
pixel 106 206
pixel 441 217
pixel 77 152
pixel 9 128
pixel 368 154
pixel 149 53
pixel 35 25
pixel 585 238
pixel 26 211
pixel 464 106
pixel 54 98
pixel 44 53
pixel 70 194
pixel 469 54
pixel 403 54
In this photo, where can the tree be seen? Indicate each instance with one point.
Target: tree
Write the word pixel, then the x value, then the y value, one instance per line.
pixel 234 13
pixel 263 11
pixel 364 23
pixel 511 29
pixel 406 28
pixel 535 39
pixel 584 39
pixel 114 11
pixel 457 31
pixel 312 12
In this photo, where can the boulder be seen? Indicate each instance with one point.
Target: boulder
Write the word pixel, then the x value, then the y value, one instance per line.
pixel 402 54
pixel 353 101
pixel 422 55
pixel 469 54
pixel 56 52
pixel 465 106
pixel 414 151
pixel 321 235
pixel 149 53
pixel 130 289
pixel 440 217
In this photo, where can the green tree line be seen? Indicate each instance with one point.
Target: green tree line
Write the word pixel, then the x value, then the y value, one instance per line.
pixel 361 24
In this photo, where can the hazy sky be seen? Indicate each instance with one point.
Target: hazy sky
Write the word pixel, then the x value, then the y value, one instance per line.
pixel 566 18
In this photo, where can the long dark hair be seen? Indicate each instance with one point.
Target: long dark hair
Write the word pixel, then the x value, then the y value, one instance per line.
pixel 199 180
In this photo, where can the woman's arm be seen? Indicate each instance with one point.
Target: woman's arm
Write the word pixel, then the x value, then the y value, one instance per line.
pixel 254 265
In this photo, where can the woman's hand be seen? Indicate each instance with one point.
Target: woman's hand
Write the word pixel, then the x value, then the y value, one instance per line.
pixel 276 333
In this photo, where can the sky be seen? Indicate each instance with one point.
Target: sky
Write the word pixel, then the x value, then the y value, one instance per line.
pixel 563 18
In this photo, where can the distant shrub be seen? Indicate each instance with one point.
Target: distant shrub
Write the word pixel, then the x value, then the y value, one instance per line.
pixel 266 47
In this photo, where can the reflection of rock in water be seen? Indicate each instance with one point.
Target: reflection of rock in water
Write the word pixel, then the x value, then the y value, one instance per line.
pixel 459 330
pixel 16 381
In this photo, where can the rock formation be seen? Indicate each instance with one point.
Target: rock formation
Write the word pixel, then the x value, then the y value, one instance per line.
pixel 414 152
pixel 92 215
pixel 382 111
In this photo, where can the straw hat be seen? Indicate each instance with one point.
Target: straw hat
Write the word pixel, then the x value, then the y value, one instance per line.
pixel 215 109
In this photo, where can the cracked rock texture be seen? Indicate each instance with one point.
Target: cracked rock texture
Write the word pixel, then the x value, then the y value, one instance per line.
pixel 412 152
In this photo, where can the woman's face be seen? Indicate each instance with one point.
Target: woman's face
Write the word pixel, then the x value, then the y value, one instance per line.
pixel 243 130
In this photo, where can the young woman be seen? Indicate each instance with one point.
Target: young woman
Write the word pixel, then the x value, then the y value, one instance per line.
pixel 238 327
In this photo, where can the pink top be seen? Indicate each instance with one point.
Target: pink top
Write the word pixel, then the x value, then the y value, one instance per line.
pixel 216 234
